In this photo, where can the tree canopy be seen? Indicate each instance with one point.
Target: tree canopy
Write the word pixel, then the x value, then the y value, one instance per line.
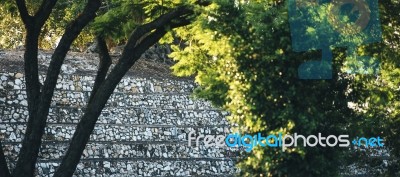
pixel 242 55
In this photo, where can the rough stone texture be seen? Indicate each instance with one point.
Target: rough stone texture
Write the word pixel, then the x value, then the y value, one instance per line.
pixel 142 131
pixel 85 64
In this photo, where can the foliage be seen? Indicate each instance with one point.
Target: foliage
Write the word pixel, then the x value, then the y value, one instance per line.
pixel 116 21
pixel 13 29
pixel 120 19
pixel 10 25
pixel 241 55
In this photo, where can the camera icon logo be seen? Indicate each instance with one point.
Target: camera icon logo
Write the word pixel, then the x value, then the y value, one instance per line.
pixel 324 24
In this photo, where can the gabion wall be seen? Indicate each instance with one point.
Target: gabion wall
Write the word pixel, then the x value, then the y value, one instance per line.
pixel 141 132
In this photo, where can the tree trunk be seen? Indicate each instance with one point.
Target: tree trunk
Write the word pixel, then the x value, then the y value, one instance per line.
pixel 39 102
pixel 27 156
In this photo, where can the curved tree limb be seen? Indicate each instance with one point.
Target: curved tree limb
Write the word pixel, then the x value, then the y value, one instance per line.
pixel 23 11
pixel 104 65
pixel 44 12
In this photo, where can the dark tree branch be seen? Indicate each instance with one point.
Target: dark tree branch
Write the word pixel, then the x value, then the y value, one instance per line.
pixel 132 52
pixel 36 124
pixel 44 12
pixel 37 21
pixel 57 59
pixel 4 172
pixel 104 65
pixel 23 11
pixel 159 22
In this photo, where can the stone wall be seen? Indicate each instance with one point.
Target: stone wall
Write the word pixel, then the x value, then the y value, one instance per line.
pixel 141 132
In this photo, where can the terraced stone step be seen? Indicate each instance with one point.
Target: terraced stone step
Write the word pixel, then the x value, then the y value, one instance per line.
pixel 155 167
pixel 96 150
pixel 163 101
pixel 84 83
pixel 108 132
pixel 149 167
pixel 131 115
